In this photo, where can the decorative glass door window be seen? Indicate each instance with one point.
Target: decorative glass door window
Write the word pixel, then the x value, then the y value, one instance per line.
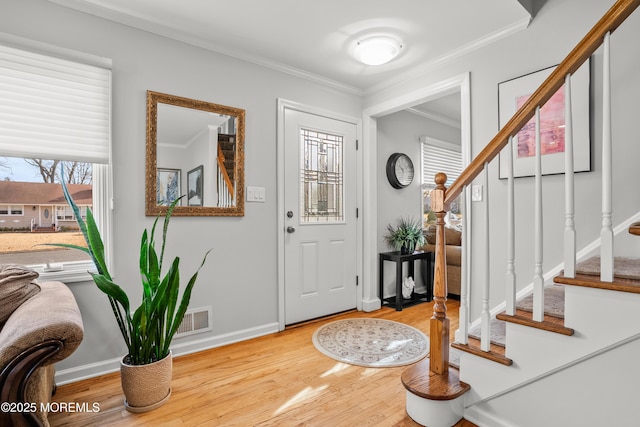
pixel 321 173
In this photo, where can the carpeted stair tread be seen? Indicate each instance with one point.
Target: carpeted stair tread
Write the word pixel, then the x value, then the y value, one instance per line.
pixel 623 267
pixel 626 275
pixel 553 306
pixel 497 332
pixel 553 302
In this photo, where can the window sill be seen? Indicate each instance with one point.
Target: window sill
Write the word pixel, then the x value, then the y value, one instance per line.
pixel 67 272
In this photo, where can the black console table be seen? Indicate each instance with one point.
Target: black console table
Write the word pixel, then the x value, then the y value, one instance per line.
pixel 427 277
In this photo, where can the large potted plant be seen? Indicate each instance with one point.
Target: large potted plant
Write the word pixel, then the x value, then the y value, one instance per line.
pixel 405 235
pixel 149 329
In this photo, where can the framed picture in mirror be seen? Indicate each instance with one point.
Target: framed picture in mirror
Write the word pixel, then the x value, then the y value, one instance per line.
pixel 167 186
pixel 194 186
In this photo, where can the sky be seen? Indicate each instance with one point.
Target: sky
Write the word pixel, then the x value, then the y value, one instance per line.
pixel 20 171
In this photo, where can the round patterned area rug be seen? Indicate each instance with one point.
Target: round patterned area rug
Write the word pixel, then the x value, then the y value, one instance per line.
pixel 374 343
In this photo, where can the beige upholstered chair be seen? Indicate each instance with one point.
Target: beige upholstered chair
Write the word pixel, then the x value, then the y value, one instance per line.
pixel 453 249
pixel 40 325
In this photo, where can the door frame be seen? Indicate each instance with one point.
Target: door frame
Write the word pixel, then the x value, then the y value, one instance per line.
pixel 371 300
pixel 284 104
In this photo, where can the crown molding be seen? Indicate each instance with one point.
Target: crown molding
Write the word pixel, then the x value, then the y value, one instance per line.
pixel 93 7
pixel 436 117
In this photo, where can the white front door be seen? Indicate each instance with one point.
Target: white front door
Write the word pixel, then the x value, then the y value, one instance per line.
pixel 320 216
pixel 46 216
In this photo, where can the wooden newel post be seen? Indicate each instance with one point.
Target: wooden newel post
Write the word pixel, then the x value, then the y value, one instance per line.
pixel 439 325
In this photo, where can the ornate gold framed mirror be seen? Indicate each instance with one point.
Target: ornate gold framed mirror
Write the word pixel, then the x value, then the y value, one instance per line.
pixel 195 149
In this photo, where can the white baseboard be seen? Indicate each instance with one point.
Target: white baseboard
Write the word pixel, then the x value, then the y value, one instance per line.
pixel 483 418
pixel 371 304
pixel 103 367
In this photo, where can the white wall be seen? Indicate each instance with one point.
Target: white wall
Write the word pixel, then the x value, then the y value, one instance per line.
pixel 239 280
pixel 557 28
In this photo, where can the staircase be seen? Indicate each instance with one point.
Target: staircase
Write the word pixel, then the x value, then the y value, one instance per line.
pixel 568 359
pixel 38 229
pixel 227 170
pixel 227 146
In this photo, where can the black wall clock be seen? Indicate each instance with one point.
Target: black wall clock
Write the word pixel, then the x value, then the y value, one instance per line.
pixel 399 170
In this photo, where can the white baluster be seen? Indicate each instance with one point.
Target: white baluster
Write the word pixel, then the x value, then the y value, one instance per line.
pixel 222 191
pixel 510 290
pixel 569 198
pixel 219 192
pixel 485 329
pixel 462 334
pixel 538 280
pixel 225 198
pixel 606 234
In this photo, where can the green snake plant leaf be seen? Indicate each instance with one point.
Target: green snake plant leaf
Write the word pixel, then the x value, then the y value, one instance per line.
pixel 184 304
pixel 165 227
pixel 164 304
pixel 149 272
pixel 74 207
pixel 88 234
pixel 96 245
pixel 69 246
pixel 172 289
pixel 114 291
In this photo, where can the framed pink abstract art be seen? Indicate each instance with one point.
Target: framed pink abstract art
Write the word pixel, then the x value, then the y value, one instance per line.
pixel 512 94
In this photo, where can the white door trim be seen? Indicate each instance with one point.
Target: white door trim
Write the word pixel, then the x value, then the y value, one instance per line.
pixel 371 301
pixel 280 144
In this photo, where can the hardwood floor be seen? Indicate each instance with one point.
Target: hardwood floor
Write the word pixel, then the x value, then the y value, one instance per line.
pixel 276 380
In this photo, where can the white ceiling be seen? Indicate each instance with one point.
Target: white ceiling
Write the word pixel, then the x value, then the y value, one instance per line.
pixel 315 39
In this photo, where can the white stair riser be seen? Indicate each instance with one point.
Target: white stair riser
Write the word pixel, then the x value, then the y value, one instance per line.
pixel 434 413
pixel 581 395
pixel 535 351
pixel 604 315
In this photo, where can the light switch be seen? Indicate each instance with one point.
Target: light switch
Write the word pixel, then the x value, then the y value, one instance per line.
pixel 476 193
pixel 256 194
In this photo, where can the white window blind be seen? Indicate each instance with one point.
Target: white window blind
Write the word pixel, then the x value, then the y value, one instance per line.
pixel 436 159
pixel 53 108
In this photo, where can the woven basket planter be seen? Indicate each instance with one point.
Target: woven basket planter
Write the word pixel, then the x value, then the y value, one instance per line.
pixel 146 387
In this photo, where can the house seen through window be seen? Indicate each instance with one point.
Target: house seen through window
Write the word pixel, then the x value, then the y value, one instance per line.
pixel 34 213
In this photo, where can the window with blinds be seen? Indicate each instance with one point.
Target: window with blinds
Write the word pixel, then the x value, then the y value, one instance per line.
pixel 439 156
pixel 436 158
pixel 55 108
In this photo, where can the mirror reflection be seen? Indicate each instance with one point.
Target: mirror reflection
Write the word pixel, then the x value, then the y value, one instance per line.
pixel 195 149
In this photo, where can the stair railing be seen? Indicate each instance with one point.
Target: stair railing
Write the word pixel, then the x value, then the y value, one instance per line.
pixel 226 191
pixel 441 197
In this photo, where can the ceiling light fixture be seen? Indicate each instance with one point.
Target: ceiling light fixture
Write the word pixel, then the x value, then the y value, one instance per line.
pixel 377 50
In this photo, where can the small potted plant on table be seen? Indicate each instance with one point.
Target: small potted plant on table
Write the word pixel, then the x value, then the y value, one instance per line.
pixel 405 235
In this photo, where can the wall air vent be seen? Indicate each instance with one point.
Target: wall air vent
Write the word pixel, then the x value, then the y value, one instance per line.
pixel 195 321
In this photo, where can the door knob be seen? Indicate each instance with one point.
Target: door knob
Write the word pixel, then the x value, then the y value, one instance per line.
pixel 291 229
